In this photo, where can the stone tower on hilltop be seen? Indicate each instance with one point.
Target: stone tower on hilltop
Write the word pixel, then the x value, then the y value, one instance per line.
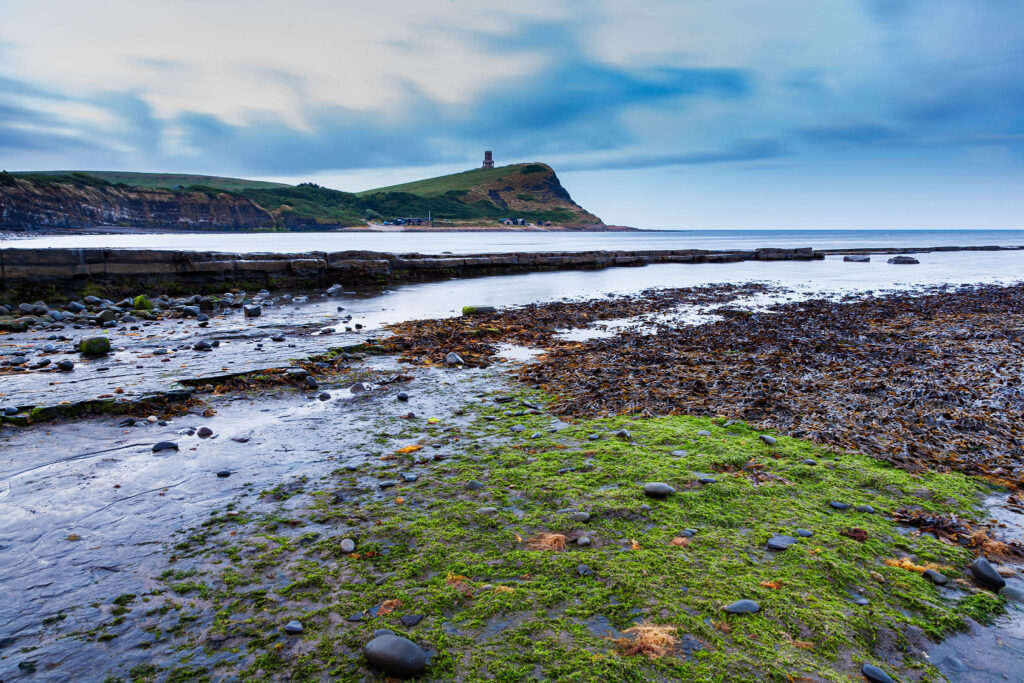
pixel 488 160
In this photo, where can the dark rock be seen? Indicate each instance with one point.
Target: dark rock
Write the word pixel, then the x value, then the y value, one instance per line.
pixel 584 570
pixel 707 480
pixel 872 672
pixel 657 489
pixel 396 656
pixel 857 258
pixel 810 463
pixel 410 477
pixel 804 533
pixel 986 575
pixel 253 311
pixel 65 365
pixel 770 440
pixel 580 516
pixel 204 432
pixel 311 382
pixel 293 627
pixel 743 607
pixel 411 619
pixel 387 484
pixel 453 359
pixel 836 505
pixel 1013 593
pixel 202 345
pixel 190 311
pixel 223 473
pixel 324 396
pixel 474 485
pixel 703 432
pixel 938 578
pixel 402 396
pixel 583 541
pixel 780 542
pixel 865 508
pixel 903 260
pixel 164 446
pixel 517 428
pixel 594 437
pixel 378 632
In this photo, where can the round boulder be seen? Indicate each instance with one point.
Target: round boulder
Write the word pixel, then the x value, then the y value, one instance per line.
pixel 396 656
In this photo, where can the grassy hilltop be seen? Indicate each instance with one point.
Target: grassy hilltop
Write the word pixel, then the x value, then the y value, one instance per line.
pixel 531 192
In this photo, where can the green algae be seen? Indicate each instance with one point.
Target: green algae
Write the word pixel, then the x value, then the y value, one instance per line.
pixel 495 609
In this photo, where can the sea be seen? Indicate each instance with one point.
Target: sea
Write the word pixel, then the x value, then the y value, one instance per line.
pixel 494 242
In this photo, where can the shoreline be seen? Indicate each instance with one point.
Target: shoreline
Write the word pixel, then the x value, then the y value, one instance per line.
pixel 452 484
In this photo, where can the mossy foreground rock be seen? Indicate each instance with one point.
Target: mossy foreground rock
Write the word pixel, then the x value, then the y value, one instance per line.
pixel 142 303
pixel 495 584
pixel 94 346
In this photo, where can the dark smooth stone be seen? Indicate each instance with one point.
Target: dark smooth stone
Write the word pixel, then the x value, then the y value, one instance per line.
pixel 402 396
pixel 866 508
pixel 874 674
pixel 1013 593
pixel 770 440
pixel 396 656
pixel 293 627
pixel 780 542
pixel 584 570
pixel 164 446
pixel 986 574
pixel 411 619
pixel 377 633
pixel 204 432
pixel 517 428
pixel 223 473
pixel 657 489
pixel 580 516
pixel 810 463
pixel 743 607
pixel 707 480
pixel 836 505
pixel 938 578
pixel 474 485
pixel 65 365
pixel 804 533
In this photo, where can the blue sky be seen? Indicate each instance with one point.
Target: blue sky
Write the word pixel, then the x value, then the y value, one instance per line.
pixel 675 114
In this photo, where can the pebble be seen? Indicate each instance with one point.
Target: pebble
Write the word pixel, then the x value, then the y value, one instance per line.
pixel 703 432
pixel 657 489
pixel 487 511
pixel 402 396
pixel 324 396
pixel 411 619
pixel 780 542
pixel 866 508
pixel 358 388
pixel 707 480
pixel 164 446
pixel 517 428
pixel 770 440
pixel 679 454
pixel 804 533
pixel 410 477
pixel 580 516
pixel 874 674
pixel 223 473
pixel 347 545
pixel 387 484
pixel 204 432
pixel 810 463
pixel 396 656
pixel 536 435
pixel 474 485
pixel 835 504
pixel 938 578
pixel 65 365
pixel 583 541
pixel 202 345
pixel 986 574
pixel 594 437
pixel 293 627
pixel 584 570
pixel 743 607
pixel 454 359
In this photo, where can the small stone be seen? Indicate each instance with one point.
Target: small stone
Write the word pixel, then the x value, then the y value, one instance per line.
pixel 679 454
pixel 623 434
pixel 358 388
pixel 583 541
pixel 202 345
pixel 402 396
pixel 580 516
pixel 584 570
pixel 223 473
pixel 454 359
pixel 594 437
pixel 743 607
pixel 204 432
pixel 804 533
pixel 703 432
pixel 517 428
pixel 387 484
pixel 872 672
pixel 938 578
pixel 293 627
pixel 411 619
pixel 707 480
pixel 347 545
pixel 65 365
pixel 903 260
pixel 358 616
pixel 487 511
pixel 770 440
pixel 657 489
pixel 164 446
pixel 986 574
pixel 866 508
pixel 536 435
pixel 396 656
pixel 94 346
pixel 410 477
pixel 324 396
pixel 780 542
pixel 877 577
pixel 836 505
pixel 810 463
pixel 473 485
pixel 253 311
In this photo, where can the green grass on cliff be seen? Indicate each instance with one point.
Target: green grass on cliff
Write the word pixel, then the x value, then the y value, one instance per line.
pixel 456 182
pixel 165 181
pixel 495 609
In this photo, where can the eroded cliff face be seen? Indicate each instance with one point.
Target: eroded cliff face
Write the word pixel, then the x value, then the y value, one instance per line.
pixel 29 204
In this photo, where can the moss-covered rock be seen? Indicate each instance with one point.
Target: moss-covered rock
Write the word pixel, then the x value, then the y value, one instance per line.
pixel 142 303
pixel 94 346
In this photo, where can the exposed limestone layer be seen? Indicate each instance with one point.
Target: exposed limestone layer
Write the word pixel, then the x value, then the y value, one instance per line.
pixel 70 268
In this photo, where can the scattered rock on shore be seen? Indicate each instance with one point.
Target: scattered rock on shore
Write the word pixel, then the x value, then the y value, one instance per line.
pixel 986 575
pixel 396 656
pixel 903 260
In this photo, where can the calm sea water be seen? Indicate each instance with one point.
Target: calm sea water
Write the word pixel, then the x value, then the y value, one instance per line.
pixel 488 242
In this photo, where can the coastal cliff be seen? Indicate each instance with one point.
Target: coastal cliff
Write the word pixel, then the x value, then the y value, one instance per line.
pixel 28 204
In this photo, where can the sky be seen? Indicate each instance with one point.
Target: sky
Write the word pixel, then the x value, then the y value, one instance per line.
pixel 675 114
